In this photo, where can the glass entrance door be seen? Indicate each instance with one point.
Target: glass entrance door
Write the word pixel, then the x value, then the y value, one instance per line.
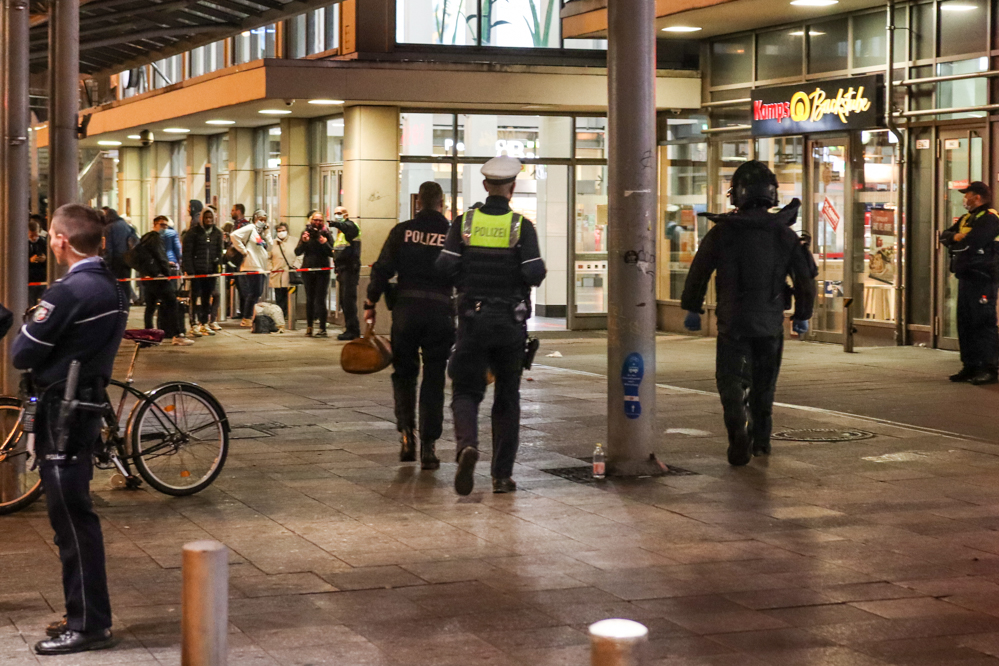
pixel 960 159
pixel 272 194
pixel 827 223
pixel 332 190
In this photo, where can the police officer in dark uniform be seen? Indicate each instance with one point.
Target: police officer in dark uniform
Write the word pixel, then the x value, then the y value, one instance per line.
pixel 347 265
pixel 491 255
pixel 81 317
pixel 422 320
pixel 753 251
pixel 972 246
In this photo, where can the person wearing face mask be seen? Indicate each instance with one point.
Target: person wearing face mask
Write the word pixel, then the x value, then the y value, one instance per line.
pixel 971 242
pixel 252 241
pixel 347 263
pixel 283 262
pixel 202 250
pixel 316 249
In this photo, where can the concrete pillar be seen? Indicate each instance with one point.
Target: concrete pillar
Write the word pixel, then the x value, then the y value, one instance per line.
pixel 293 202
pixel 197 160
pixel 371 174
pixel 130 183
pixel 160 184
pixel 64 102
pixel 241 175
pixel 631 256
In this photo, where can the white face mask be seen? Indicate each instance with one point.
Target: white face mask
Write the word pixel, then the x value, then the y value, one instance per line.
pixel 282 234
pixel 339 217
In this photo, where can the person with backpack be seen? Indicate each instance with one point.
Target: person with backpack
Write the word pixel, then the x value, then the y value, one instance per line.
pixel 119 238
pixel 149 260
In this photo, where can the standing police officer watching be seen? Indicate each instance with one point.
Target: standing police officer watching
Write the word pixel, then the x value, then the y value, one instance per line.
pixel 81 317
pixel 971 242
pixel 347 264
pixel 754 252
pixel 491 255
pixel 422 320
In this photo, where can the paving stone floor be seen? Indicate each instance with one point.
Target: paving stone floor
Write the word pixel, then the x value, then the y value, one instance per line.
pixel 881 551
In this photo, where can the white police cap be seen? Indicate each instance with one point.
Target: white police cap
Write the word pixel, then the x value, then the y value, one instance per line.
pixel 501 170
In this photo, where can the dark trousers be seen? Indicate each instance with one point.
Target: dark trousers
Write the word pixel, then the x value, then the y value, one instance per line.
pixel 77 528
pixel 35 294
pixel 746 371
pixel 317 288
pixel 281 296
pixel 161 293
pixel 489 341
pixel 346 283
pixel 253 289
pixel 421 325
pixel 976 324
pixel 202 290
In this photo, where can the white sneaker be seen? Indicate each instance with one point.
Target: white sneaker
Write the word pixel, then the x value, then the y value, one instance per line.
pixel 214 326
pixel 194 332
pixel 205 330
pixel 182 342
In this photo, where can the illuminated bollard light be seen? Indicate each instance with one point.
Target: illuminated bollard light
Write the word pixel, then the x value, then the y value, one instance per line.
pixel 617 643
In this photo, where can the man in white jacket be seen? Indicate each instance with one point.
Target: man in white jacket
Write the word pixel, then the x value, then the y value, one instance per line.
pixel 253 242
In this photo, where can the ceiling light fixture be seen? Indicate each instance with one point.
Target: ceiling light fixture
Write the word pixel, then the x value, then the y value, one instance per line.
pixel 134 136
pixel 681 28
pixel 176 130
pixel 814 3
pixel 811 33
pixel 944 7
pixel 109 143
pixel 275 112
pixel 326 102
pixel 220 122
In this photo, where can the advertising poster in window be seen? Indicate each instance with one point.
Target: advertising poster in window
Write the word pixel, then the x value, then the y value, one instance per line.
pixel 881 265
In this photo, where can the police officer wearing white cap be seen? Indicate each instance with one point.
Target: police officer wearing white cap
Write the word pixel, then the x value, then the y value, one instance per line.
pixel 491 255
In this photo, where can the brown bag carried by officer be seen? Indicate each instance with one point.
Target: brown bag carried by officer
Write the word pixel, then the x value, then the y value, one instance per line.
pixel 367 354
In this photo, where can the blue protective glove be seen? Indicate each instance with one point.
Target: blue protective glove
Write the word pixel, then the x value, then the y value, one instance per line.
pixel 799 327
pixel 692 322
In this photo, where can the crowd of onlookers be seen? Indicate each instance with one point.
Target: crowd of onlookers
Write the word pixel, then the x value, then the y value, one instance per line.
pixel 185 301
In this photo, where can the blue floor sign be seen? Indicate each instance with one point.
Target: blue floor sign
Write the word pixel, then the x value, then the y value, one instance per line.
pixel 631 376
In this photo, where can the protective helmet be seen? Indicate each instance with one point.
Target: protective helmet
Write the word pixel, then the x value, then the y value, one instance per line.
pixel 753 186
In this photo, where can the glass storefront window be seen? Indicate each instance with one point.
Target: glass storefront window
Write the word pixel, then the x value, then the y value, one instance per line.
pixel 729 154
pixel 869 39
pixel 591 229
pixel 828 45
pixel 923 32
pixel 785 156
pixel 591 138
pixel 514 23
pixel 524 137
pixel 683 194
pixel 255 44
pixel 520 23
pixel 779 54
pixel 433 22
pixel 828 213
pixel 323 29
pixel 328 137
pixel 427 134
pixel 963 27
pixel 965 92
pixel 412 175
pixel 732 61
pixel 877 191
pixel 168 71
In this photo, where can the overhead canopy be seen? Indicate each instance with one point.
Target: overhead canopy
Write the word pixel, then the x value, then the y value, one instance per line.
pixel 120 34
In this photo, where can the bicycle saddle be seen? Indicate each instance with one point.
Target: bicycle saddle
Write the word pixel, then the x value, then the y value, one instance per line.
pixel 144 337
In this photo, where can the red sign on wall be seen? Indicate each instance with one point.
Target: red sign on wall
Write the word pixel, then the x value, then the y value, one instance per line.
pixel 828 211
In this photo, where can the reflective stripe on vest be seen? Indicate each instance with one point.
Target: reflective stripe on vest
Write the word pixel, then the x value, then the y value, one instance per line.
pixel 493 231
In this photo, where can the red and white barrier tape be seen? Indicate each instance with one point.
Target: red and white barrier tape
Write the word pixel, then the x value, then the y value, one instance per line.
pixel 211 275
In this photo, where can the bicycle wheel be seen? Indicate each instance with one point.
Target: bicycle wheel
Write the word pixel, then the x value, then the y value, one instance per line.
pixel 180 438
pixel 19 486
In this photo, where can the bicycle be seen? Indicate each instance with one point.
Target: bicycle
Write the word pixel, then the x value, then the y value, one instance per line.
pixel 176 436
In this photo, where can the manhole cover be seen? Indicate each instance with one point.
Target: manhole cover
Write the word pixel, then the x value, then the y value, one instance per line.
pixel 821 435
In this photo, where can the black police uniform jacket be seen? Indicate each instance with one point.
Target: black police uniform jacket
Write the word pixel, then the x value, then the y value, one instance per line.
pixel 482 273
pixel 411 251
pixel 81 317
pixel 347 258
pixel 974 256
pixel 753 252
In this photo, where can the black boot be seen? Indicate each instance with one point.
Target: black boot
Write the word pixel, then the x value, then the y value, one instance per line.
pixel 739 448
pixel 965 375
pixel 408 451
pixel 428 456
pixel 983 377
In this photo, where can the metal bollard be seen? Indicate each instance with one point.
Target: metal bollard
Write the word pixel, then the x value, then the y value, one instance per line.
pixel 617 643
pixel 205 604
pixel 292 315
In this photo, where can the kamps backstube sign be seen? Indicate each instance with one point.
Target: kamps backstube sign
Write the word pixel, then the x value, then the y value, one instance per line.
pixel 824 106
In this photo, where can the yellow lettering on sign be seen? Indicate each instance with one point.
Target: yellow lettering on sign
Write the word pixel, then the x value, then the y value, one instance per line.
pixel 800 107
pixel 843 105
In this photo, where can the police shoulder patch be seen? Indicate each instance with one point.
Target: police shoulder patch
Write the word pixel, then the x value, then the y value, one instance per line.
pixel 42 312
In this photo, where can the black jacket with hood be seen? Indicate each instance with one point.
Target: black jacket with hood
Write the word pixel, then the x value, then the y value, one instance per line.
pixel 202 250
pixel 754 252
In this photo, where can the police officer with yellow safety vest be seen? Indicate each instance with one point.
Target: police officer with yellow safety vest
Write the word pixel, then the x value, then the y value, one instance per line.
pixel 491 255
pixel 347 265
pixel 971 242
